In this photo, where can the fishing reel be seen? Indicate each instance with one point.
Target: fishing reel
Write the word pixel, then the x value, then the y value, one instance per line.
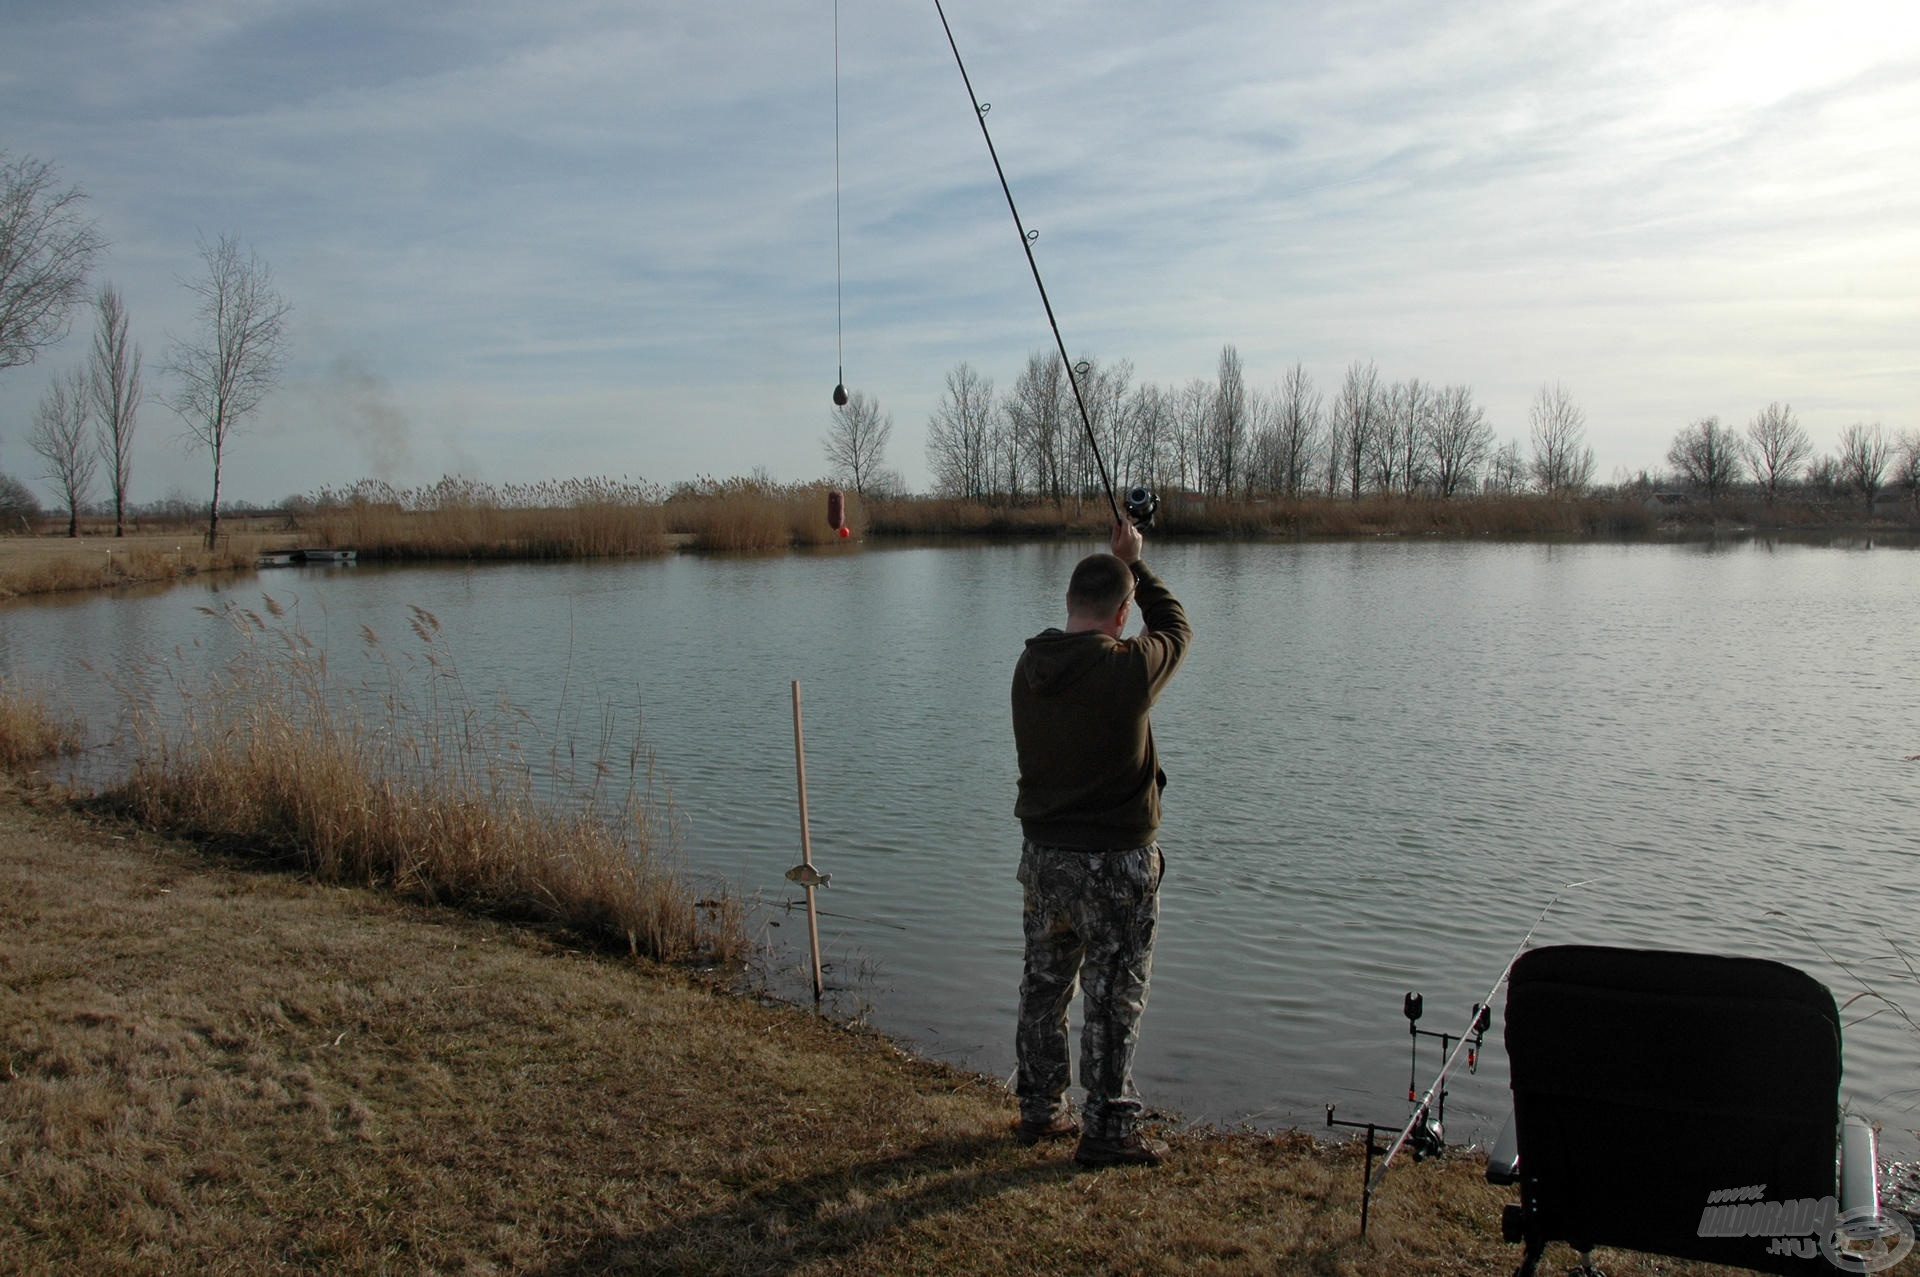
pixel 1426 1137
pixel 1140 504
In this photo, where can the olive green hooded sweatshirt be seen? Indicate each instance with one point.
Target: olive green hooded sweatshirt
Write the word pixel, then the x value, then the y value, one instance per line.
pixel 1089 776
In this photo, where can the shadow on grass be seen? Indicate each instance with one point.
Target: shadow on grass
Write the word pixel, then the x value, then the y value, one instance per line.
pixel 835 1213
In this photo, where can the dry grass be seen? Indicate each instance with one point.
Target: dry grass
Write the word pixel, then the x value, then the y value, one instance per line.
pixel 213 1069
pixel 45 565
pixel 31 733
pixel 757 514
pixel 428 795
pixel 465 519
pixel 943 516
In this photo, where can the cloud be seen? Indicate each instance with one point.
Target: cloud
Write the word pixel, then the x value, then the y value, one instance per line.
pixel 591 229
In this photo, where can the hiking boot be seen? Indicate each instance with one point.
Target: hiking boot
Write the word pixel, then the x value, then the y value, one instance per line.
pixel 1135 1150
pixel 1058 1127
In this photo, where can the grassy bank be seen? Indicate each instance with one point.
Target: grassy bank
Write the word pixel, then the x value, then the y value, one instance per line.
pixel 49 565
pixel 209 1068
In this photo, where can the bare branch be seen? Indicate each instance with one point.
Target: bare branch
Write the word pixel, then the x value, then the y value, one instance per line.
pixel 1562 463
pixel 60 437
pixel 47 246
pixel 856 442
pixel 233 361
pixel 114 392
pixel 1708 456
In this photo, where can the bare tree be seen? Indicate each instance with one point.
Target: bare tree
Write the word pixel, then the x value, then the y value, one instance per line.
pixel 959 435
pixel 47 246
pixel 60 437
pixel 1400 444
pixel 1296 429
pixel 1357 418
pixel 225 369
pixel 1778 447
pixel 1151 419
pixel 1335 451
pixel 1864 453
pixel 1037 410
pixel 1906 465
pixel 1416 441
pixel 1006 456
pixel 1823 476
pixel 1562 464
pixel 1227 432
pixel 1192 415
pixel 1114 406
pixel 1708 456
pixel 1507 469
pixel 856 443
pixel 18 506
pixel 1462 439
pixel 114 393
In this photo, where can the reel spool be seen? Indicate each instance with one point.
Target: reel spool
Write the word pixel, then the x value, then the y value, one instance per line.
pixel 1140 504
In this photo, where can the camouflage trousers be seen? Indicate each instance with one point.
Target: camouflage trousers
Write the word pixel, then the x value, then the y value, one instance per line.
pixel 1089 920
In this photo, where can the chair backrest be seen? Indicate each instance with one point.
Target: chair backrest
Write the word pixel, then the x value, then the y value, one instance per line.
pixel 1650 1086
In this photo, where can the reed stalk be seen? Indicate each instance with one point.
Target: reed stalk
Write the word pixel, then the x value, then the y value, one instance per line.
pixel 407 783
pixel 464 519
pixel 31 733
pixel 756 514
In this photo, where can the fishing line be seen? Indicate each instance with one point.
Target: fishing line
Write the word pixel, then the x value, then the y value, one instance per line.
pixel 791 905
pixel 1027 237
pixel 839 324
pixel 1421 1110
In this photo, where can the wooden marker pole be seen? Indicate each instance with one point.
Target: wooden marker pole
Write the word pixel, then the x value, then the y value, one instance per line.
pixel 806 843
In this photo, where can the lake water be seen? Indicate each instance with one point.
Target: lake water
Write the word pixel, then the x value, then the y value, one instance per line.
pixel 1385 759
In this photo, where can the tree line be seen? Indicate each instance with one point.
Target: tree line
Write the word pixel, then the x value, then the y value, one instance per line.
pixel 1774 453
pixel 1224 438
pixel 84 425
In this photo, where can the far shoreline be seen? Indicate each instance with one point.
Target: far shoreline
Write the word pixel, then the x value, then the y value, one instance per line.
pixel 757 518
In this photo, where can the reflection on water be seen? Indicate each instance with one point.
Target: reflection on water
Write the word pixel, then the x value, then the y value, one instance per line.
pixel 1385 758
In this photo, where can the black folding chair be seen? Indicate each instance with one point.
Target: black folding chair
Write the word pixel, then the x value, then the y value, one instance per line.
pixel 1686 1105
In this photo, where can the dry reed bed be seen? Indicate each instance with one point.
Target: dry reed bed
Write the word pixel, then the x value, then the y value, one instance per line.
pixel 427 796
pixel 32 733
pixel 1370 516
pixel 465 519
pixel 753 514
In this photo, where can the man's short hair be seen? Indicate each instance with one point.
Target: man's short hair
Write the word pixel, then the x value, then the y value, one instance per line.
pixel 1100 584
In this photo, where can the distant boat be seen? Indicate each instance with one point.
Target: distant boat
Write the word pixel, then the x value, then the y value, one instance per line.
pixel 327 556
pixel 275 559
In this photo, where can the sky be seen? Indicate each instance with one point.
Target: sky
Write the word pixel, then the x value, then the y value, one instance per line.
pixel 582 239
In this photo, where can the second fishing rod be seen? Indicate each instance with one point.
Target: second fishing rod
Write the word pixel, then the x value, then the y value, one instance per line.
pixel 1141 502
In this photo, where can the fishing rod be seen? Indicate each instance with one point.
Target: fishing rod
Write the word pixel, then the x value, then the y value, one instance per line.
pixel 1140 502
pixel 1471 1038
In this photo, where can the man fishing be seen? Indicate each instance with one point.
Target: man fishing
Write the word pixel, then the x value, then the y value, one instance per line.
pixel 1089 808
